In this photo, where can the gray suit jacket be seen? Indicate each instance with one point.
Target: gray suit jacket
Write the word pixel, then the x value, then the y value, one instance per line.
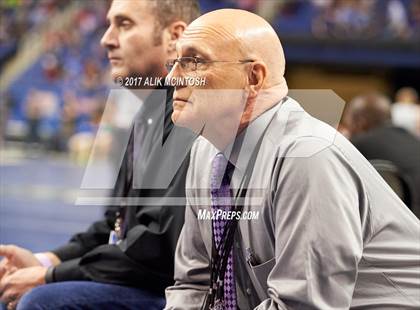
pixel 331 234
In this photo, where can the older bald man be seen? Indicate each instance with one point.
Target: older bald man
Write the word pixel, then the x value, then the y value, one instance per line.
pixel 283 212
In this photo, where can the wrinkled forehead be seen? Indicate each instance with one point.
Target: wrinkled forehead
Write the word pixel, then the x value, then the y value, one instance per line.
pixel 208 41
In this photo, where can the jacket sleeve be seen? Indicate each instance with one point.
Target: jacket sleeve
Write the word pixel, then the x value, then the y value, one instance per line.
pixel 81 243
pixel 145 257
pixel 319 211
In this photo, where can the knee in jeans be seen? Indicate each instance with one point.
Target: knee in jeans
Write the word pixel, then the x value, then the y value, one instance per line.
pixel 35 299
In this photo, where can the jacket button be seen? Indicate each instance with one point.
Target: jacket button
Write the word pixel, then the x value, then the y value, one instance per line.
pixel 248 291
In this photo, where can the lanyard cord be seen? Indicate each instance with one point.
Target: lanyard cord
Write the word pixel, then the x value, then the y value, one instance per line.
pixel 226 251
pixel 220 254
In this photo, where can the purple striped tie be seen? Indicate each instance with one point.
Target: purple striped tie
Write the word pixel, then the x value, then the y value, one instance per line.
pixel 221 198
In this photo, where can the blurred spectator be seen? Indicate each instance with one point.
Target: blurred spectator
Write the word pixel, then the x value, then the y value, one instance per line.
pixel 368 120
pixel 51 67
pixel 406 110
pixel 6 104
pixel 85 142
pixel 414 18
pixel 345 19
pixel 41 107
pixel 397 19
pixel 249 5
pixel 363 19
pixel 69 115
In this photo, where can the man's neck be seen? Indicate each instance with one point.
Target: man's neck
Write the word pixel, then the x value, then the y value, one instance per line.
pixel 225 133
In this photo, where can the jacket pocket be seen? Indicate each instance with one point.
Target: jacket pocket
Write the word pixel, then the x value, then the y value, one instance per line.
pixel 260 274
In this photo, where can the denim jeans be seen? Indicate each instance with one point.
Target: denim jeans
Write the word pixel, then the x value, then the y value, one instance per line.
pixel 78 295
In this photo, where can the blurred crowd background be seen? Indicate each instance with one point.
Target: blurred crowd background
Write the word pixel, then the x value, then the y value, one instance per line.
pixel 54 85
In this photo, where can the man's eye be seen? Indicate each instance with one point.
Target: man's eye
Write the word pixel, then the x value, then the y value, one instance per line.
pixel 185 63
pixel 199 60
pixel 125 24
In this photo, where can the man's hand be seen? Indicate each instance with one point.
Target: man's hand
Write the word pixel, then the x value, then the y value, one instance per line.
pixel 14 285
pixel 5 267
pixel 15 258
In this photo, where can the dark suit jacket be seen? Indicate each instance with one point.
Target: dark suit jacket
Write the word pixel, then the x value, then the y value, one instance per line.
pixel 145 257
pixel 398 146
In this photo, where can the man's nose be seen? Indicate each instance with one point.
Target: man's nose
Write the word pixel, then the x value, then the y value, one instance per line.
pixel 109 39
pixel 176 71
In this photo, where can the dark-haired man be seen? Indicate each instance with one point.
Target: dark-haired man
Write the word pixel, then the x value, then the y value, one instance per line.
pixel 94 271
pixel 368 120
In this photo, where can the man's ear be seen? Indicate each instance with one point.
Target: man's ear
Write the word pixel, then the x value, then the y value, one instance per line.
pixel 256 78
pixel 175 31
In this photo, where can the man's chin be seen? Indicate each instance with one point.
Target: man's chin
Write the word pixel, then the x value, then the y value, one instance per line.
pixel 181 119
pixel 176 118
pixel 118 74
